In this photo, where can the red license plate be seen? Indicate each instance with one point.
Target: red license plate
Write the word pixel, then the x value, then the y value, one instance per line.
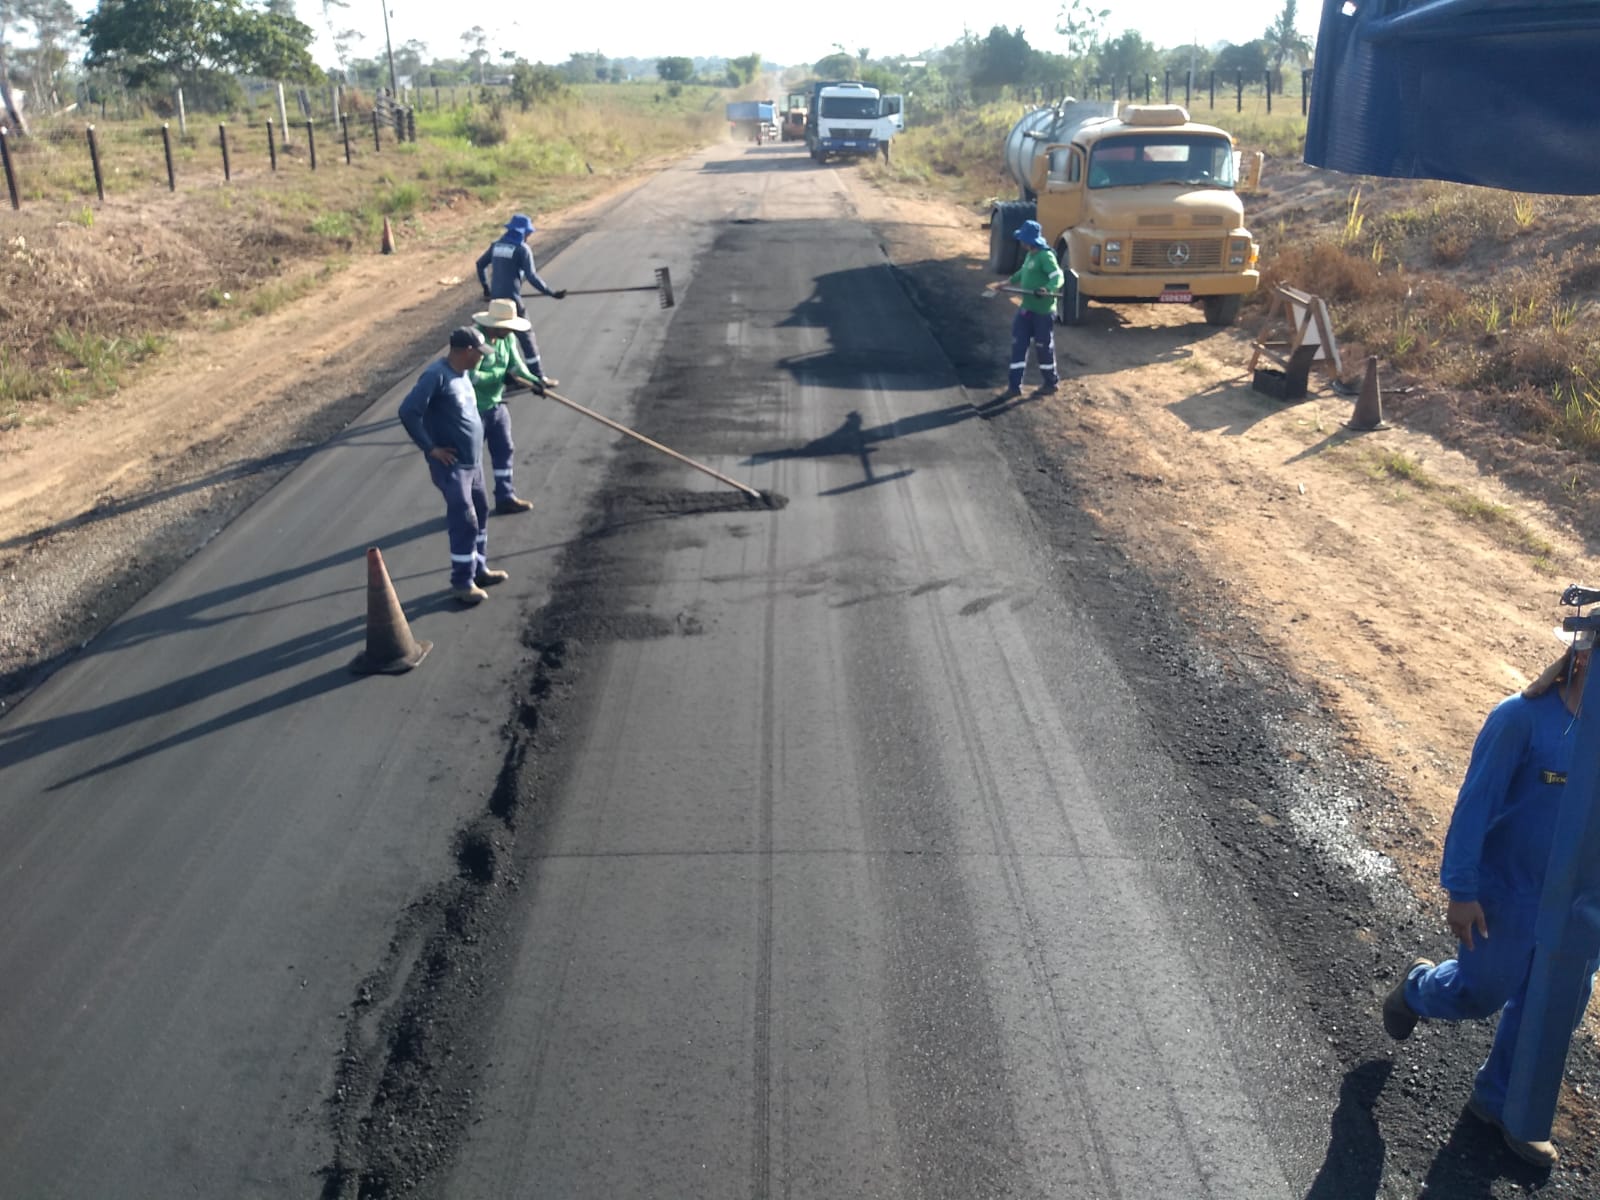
pixel 1177 297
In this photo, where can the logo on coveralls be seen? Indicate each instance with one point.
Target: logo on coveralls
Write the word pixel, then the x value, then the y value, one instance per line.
pixel 1554 776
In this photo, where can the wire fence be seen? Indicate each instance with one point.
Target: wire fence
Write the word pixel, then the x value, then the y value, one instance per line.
pixel 1228 90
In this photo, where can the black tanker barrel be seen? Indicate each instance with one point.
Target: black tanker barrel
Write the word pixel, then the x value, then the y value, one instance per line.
pixel 1046 126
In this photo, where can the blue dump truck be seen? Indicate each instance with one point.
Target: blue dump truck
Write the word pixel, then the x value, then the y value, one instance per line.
pixel 753 119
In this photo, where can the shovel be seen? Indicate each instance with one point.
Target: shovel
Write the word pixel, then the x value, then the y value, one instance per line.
pixel 662 285
pixel 990 293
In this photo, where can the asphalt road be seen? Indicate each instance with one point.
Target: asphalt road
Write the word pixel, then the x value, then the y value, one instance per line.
pixel 818 850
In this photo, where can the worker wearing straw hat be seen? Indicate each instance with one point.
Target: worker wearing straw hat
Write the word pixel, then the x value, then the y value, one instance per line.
pixel 501 363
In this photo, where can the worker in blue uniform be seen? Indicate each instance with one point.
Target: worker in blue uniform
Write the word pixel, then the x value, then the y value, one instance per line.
pixel 501 270
pixel 1493 869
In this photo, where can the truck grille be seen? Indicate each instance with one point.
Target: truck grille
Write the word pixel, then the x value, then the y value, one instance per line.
pixel 1202 254
pixel 841 132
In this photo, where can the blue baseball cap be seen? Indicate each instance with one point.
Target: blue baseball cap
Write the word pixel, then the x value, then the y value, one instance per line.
pixel 1029 233
pixel 520 224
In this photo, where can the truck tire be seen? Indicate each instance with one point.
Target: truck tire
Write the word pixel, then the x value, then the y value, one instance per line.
pixel 1222 310
pixel 1005 252
pixel 1070 306
pixel 819 157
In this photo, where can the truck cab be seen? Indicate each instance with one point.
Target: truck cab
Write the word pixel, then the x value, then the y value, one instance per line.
pixel 850 119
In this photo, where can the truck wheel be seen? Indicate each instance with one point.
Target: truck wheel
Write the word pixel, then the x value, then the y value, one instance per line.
pixel 817 156
pixel 1069 308
pixel 1222 310
pixel 997 244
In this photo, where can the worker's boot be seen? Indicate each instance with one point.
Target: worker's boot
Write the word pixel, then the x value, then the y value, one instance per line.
pixel 488 578
pixel 469 595
pixel 1398 1018
pixel 1540 1154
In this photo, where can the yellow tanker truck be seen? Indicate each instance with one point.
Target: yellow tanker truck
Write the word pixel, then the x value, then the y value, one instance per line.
pixel 1138 204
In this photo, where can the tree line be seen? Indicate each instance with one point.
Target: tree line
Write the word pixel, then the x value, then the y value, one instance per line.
pixel 150 47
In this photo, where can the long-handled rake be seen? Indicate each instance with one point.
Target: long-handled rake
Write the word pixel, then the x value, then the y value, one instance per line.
pixel 663 285
pixel 764 498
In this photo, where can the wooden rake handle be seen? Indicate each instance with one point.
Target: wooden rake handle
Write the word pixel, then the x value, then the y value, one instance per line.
pixel 667 450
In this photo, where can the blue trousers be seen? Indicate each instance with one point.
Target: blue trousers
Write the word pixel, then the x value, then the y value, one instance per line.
pixel 526 342
pixel 466 516
pixel 1490 978
pixel 497 433
pixel 1039 329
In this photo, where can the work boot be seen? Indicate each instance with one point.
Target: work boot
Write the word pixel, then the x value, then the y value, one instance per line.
pixel 1398 1018
pixel 1046 389
pixel 469 595
pixel 488 578
pixel 1540 1154
pixel 1011 393
pixel 514 505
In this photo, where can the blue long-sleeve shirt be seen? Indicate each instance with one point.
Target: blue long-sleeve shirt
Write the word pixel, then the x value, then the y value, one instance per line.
pixel 512 262
pixel 442 410
pixel 1504 823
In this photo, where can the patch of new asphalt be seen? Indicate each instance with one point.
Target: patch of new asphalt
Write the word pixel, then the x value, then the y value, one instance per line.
pixel 1271 799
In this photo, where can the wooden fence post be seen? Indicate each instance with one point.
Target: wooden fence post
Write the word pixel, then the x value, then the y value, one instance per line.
pixel 1305 88
pixel 94 160
pixel 166 148
pixel 1213 89
pixel 272 145
pixel 377 144
pixel 222 137
pixel 11 171
pixel 1269 92
pixel 344 128
pixel 311 141
pixel 1239 91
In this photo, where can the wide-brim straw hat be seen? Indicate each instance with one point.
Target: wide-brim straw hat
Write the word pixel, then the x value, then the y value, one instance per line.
pixel 502 314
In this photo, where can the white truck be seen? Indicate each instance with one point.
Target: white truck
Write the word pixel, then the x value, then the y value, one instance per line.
pixel 848 118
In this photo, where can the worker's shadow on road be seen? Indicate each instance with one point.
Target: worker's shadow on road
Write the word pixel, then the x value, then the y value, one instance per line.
pixel 1473 1159
pixel 854 439
pixel 1353 1167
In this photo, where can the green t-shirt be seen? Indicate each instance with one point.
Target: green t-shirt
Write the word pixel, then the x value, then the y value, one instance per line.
pixel 489 376
pixel 1040 269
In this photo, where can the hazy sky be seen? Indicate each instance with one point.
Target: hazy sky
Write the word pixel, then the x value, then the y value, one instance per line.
pixel 780 32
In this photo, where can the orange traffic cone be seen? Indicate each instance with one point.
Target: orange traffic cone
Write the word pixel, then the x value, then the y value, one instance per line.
pixel 388 237
pixel 1369 408
pixel 391 650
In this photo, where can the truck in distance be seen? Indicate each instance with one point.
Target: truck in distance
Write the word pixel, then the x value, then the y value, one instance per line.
pixel 849 119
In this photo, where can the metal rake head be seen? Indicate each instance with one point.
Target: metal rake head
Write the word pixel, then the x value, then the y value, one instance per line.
pixel 664 287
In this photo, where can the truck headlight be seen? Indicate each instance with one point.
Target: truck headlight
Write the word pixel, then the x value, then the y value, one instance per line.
pixel 1113 247
pixel 1238 251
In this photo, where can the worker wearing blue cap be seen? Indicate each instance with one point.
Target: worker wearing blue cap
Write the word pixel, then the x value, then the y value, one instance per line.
pixel 512 262
pixel 1039 278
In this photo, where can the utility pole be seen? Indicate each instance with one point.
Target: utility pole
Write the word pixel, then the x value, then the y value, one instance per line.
pixel 394 87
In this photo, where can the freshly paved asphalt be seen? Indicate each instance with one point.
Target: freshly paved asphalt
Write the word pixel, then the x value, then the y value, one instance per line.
pixel 856 878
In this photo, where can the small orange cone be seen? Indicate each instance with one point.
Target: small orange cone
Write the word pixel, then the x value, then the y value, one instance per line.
pixel 391 650
pixel 1369 408
pixel 388 237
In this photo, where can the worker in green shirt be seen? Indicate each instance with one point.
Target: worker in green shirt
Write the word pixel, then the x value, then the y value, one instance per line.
pixel 501 363
pixel 1040 277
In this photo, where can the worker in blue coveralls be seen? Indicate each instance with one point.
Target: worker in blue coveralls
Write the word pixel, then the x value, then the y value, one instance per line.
pixel 1039 277
pixel 511 262
pixel 441 415
pixel 1495 856
pixel 501 364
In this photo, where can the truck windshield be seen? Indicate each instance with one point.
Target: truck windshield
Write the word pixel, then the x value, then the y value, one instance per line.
pixel 850 108
pixel 1192 159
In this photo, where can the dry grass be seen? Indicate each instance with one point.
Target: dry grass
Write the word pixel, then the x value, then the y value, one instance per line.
pixel 87 290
